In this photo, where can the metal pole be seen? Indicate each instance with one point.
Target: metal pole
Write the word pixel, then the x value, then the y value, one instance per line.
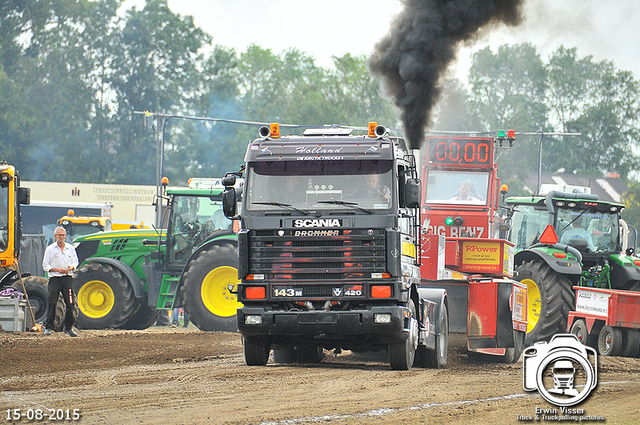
pixel 540 162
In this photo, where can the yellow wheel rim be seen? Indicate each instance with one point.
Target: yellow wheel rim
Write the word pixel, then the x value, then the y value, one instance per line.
pixel 534 304
pixel 95 299
pixel 215 291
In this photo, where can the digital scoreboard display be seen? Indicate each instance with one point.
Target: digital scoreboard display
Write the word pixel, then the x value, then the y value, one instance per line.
pixel 460 151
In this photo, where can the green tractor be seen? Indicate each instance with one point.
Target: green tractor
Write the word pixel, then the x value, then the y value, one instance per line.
pixel 127 277
pixel 564 240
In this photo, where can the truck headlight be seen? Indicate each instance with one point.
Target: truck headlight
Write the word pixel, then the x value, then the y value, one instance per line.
pixel 382 318
pixel 253 320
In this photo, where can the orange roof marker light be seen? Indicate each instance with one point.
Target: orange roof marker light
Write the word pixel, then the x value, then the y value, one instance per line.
pixel 549 235
pixel 275 130
pixel 372 129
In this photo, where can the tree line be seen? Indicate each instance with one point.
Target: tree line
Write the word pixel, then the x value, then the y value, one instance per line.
pixel 72 73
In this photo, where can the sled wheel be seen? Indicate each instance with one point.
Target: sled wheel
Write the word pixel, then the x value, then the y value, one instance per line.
pixel 610 341
pixel 630 343
pixel 579 329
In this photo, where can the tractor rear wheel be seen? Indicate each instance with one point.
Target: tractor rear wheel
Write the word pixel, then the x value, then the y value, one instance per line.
pixel 105 297
pixel 403 354
pixel 549 299
pixel 142 317
pixel 206 296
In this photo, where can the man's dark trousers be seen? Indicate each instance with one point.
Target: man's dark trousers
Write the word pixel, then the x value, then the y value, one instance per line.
pixel 59 284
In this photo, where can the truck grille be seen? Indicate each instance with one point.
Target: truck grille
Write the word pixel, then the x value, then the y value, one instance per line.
pixel 356 254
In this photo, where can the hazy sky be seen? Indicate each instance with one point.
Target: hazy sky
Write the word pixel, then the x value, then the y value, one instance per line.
pixel 604 29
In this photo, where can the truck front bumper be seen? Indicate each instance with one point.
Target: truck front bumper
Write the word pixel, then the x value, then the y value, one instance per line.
pixel 386 324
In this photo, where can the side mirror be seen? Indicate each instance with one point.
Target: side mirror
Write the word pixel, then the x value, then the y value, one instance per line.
pixel 229 202
pixel 412 194
pixel 24 195
pixel 229 180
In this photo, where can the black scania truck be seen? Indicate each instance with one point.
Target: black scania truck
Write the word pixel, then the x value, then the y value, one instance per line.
pixel 329 249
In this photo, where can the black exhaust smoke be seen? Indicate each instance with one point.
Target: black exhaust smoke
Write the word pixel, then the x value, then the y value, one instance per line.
pixel 420 45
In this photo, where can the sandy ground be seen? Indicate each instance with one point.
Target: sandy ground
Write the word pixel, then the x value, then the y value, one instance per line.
pixel 184 376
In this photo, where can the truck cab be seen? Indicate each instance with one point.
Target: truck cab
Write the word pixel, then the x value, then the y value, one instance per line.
pixel 328 247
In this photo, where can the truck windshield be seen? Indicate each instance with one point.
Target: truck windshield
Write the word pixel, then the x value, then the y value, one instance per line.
pixel 447 186
pixel 317 184
pixel 4 218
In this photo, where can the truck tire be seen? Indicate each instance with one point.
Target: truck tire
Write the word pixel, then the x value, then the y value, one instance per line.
pixel 105 297
pixel 437 358
pixel 284 355
pixel 580 330
pixel 38 292
pixel 403 354
pixel 142 317
pixel 550 297
pixel 255 353
pixel 310 354
pixel 610 341
pixel 205 289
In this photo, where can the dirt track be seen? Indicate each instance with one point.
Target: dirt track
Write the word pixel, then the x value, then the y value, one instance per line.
pixel 180 376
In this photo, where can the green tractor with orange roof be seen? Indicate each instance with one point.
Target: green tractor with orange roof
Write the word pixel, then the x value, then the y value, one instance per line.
pixel 127 277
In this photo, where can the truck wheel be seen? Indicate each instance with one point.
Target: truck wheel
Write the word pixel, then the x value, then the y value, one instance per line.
pixel 630 343
pixel 310 354
pixel 38 293
pixel 105 297
pixel 205 289
pixel 143 316
pixel 255 353
pixel 610 341
pixel 549 299
pixel 437 358
pixel 402 354
pixel 284 355
pixel 580 330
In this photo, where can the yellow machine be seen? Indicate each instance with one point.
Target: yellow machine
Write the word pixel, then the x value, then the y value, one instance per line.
pixel 11 197
pixel 77 225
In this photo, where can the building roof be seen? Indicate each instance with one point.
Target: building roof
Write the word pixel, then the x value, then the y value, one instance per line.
pixel 608 188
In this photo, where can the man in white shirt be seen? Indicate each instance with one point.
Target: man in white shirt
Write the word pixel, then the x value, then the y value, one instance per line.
pixel 60 259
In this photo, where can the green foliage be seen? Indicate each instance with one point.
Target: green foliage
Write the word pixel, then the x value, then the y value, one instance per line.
pixel 73 72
